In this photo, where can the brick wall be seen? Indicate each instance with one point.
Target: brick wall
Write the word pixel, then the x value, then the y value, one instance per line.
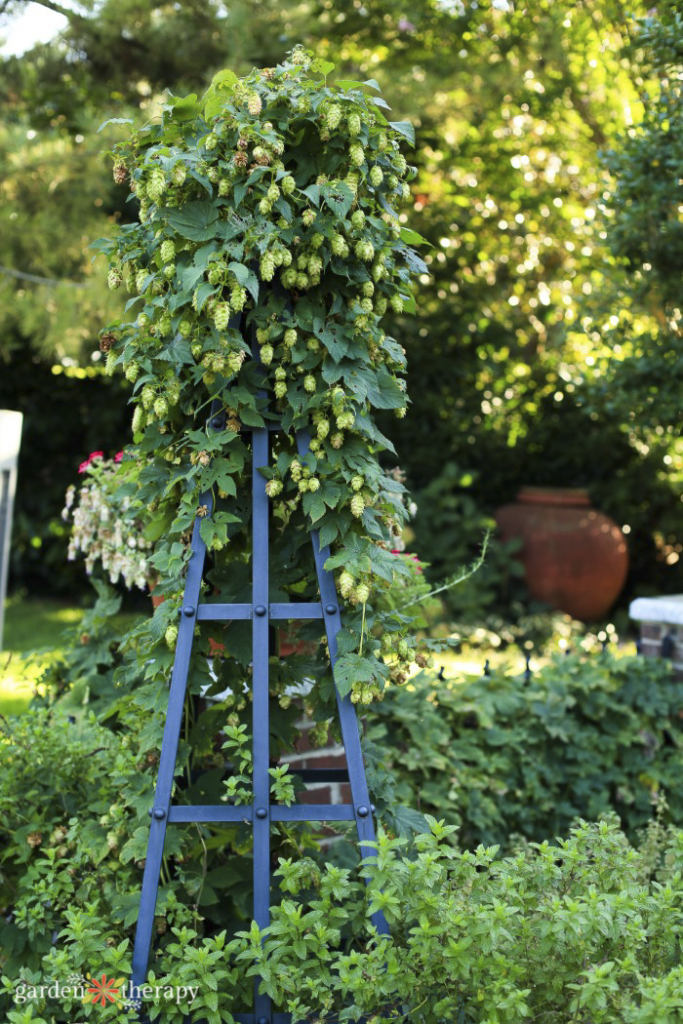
pixel 307 756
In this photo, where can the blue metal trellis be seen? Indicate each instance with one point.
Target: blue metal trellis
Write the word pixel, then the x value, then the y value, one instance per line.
pixel 261 813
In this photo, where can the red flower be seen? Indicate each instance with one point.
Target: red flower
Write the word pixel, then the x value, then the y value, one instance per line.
pixel 118 456
pixel 103 990
pixel 91 458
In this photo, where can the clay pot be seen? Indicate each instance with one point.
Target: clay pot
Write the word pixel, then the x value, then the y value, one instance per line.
pixel 575 558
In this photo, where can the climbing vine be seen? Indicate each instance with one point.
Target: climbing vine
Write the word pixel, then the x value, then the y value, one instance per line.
pixel 267 252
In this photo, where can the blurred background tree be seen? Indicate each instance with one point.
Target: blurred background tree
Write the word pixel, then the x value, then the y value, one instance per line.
pixel 548 182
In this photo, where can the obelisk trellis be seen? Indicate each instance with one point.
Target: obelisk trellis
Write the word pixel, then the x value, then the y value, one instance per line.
pixel 261 812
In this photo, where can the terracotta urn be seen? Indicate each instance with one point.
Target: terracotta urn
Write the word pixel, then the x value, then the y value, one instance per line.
pixel 575 558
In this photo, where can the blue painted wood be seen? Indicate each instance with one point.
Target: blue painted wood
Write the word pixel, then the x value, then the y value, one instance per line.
pixel 260 813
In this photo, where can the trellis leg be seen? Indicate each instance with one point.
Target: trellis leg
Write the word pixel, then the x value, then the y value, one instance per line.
pixel 260 699
pixel 169 753
pixel 360 795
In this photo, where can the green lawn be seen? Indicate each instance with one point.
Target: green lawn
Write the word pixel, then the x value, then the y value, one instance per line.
pixel 31 625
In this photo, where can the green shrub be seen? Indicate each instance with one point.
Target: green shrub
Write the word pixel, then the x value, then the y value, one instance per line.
pixel 586 931
pixel 498 756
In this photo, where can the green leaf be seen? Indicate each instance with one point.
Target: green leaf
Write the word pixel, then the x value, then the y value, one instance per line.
pixel 189 276
pixel 246 277
pixel 356 668
pixel 204 292
pixel 322 66
pixel 214 98
pixel 194 220
pixel 413 237
pixel 184 108
pixel 314 505
pixel 115 120
pixel 373 83
pixel 338 197
pixel 250 416
pixel 313 193
pixel 405 129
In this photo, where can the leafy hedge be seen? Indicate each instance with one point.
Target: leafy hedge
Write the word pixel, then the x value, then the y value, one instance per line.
pixel 499 756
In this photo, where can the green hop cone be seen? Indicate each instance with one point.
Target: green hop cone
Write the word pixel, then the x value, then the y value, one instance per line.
pixel 308 216
pixel 339 246
pixel 362 593
pixel 365 250
pixel 323 429
pixel 273 488
pixel 400 164
pixel 280 388
pixel 366 305
pixel 309 383
pixel 337 440
pixel 396 303
pixel 160 408
pixel 178 174
pixel 221 315
pixel 333 116
pixel 184 328
pixel 169 271
pixel 156 185
pixel 357 482
pixel 210 141
pixel 368 289
pixel 147 396
pixel 265 206
pixel 167 251
pixel 357 220
pixel 381 305
pixel 314 484
pixel 353 124
pixel 345 421
pixel 238 297
pixel 171 637
pixel 140 280
pixel 138 419
pixel 254 105
pixel 273 194
pixel 346 583
pixel 267 267
pixel 376 176
pixel 288 184
pixel 110 362
pixel 267 354
pixel 352 179
pixel 357 505
pixel 290 337
pixel 132 372
pixel 114 279
pixel 357 154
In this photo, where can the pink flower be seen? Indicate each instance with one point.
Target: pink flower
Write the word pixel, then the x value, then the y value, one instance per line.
pixel 118 456
pixel 91 458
